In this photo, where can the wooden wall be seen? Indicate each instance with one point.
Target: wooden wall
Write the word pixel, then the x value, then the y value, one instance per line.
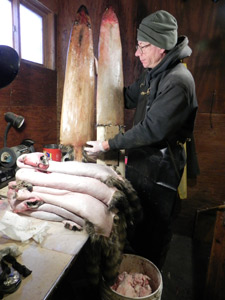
pixel 32 95
pixel 204 23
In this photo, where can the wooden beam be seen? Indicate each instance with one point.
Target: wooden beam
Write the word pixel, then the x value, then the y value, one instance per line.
pixel 16 25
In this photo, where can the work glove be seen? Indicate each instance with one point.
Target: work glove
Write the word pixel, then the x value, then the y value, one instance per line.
pixel 96 148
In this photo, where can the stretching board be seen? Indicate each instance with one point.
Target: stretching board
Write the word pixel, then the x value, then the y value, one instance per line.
pixel 78 113
pixel 110 100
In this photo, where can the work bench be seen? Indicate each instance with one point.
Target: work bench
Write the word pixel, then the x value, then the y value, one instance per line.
pixel 48 260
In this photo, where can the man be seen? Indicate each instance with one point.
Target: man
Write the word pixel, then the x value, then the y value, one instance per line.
pixel 166 105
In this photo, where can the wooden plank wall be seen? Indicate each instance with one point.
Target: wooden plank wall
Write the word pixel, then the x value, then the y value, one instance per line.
pixel 204 23
pixel 32 95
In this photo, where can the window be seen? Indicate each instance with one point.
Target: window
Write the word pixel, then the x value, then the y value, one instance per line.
pixel 26 25
pixel 31 35
pixel 6 23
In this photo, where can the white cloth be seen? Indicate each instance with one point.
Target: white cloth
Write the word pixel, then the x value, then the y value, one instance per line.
pixel 21 229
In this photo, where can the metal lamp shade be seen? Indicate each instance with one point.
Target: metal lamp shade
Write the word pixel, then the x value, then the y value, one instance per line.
pixel 9 65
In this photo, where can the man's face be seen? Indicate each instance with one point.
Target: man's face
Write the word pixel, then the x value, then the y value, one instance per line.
pixel 149 55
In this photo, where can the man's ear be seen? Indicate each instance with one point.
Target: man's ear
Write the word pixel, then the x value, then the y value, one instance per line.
pixel 162 51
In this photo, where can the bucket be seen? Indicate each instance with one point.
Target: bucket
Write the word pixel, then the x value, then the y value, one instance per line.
pixel 136 264
pixel 53 152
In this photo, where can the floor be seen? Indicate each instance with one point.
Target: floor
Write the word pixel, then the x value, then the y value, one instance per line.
pixel 185 269
pixel 178 269
pixel 183 274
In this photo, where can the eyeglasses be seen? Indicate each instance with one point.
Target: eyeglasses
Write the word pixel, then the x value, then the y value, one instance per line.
pixel 138 47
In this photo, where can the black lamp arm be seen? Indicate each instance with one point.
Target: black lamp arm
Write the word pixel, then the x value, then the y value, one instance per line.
pixel 9 125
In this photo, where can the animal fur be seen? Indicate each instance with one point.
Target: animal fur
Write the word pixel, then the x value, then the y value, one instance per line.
pixel 104 255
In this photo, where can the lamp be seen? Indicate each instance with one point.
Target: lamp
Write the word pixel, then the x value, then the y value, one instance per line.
pixel 13 120
pixel 9 65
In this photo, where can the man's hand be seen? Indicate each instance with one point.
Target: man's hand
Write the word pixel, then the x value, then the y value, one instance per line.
pixel 96 149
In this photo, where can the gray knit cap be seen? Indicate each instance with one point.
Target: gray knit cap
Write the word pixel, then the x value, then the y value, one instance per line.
pixel 159 29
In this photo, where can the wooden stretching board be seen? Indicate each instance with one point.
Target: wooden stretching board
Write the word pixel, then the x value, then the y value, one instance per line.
pixel 110 100
pixel 78 104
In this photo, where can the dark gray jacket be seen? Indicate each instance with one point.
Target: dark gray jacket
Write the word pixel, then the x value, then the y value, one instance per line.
pixel 166 106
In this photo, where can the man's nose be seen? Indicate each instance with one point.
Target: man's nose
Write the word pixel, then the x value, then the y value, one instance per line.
pixel 137 52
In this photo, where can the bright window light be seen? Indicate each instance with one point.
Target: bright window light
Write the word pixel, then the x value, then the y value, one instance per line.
pixel 6 23
pixel 31 32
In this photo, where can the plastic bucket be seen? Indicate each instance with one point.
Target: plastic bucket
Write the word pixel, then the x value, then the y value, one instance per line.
pixel 133 263
pixel 53 152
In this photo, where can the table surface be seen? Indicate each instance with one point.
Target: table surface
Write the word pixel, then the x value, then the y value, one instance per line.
pixel 48 260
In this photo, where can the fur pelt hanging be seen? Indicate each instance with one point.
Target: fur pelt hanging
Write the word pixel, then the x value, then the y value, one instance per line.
pixel 104 255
